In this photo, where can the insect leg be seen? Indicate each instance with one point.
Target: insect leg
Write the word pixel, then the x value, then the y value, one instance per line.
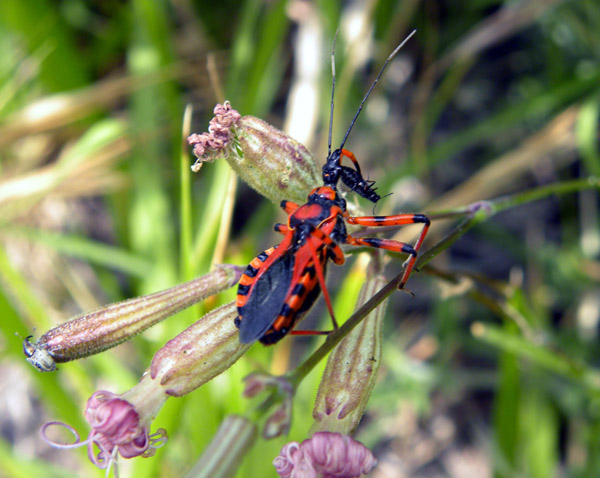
pixel 318 263
pixel 281 228
pixel 389 244
pixel 333 248
pixel 288 206
pixel 311 332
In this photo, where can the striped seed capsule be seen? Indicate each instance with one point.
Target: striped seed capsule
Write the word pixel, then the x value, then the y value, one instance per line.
pixel 351 370
pixel 94 332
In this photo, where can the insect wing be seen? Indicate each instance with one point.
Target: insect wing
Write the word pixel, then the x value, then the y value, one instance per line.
pixel 266 299
pixel 299 299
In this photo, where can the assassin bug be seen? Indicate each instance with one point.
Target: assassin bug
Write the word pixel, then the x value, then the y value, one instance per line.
pixel 281 284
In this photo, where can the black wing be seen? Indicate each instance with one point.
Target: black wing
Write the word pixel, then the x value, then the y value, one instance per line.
pixel 266 299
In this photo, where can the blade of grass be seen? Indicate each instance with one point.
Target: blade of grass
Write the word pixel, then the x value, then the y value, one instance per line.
pixel 83 248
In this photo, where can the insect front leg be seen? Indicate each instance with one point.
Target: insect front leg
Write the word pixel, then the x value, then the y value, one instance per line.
pixel 281 228
pixel 389 244
pixel 288 206
pixel 334 251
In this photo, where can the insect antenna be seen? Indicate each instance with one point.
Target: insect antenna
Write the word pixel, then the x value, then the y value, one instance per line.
pixel 382 197
pixel 332 92
pixel 389 58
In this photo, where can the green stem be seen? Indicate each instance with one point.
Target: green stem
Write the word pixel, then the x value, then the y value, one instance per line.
pixel 552 360
pixel 482 210
pixel 505 202
pixel 336 336
pixel 185 203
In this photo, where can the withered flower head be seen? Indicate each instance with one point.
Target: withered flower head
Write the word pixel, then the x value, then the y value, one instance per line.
pixel 217 142
pixel 266 158
pixel 326 455
pixel 120 425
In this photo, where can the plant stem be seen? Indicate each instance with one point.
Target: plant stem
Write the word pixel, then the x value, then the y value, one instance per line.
pixel 336 336
pixel 482 210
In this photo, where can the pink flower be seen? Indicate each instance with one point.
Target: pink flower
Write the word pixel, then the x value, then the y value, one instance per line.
pixel 118 428
pixel 325 455
pixel 115 423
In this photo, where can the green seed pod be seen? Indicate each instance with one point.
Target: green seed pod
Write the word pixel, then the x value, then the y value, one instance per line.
pixel 199 353
pixel 273 163
pixel 351 370
pixel 270 161
pixel 94 332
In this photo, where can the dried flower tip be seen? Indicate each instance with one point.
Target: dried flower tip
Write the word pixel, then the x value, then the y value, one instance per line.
pixel 326 454
pixel 215 143
pixel 351 370
pixel 270 161
pixel 113 324
pixel 198 354
pixel 486 206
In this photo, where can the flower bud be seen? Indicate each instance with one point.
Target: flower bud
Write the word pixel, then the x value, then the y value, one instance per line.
pixel 280 418
pixel 351 370
pixel 199 353
pixel 270 161
pixel 113 324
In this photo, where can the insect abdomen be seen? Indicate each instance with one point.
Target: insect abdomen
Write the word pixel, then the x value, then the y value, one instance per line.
pixel 297 303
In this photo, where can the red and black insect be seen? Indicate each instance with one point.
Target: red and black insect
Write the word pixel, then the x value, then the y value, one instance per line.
pixel 281 284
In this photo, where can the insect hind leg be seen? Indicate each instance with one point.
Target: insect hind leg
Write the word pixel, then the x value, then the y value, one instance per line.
pixel 390 244
pixel 312 332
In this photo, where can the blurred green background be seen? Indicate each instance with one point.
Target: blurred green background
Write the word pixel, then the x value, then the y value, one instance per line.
pixel 491 370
